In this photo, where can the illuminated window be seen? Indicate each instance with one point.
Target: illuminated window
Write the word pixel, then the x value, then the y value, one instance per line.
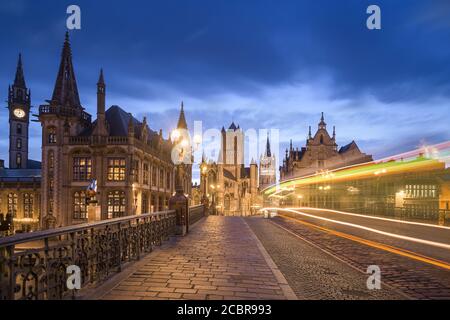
pixel 51 133
pixel 28 205
pixel 161 178
pixel 168 181
pixel 116 169
pixel 144 203
pixel 116 204
pixel 136 170
pixel 154 176
pixel 19 143
pixel 145 174
pixel 12 204
pixel 82 169
pixel 79 205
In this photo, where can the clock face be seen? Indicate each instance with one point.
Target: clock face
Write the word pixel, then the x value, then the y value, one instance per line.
pixel 19 113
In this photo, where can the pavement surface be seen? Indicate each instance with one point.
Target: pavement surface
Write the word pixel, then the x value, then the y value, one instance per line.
pixel 219 259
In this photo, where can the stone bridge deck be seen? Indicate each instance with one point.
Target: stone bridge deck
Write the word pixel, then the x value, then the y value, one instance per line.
pixel 220 258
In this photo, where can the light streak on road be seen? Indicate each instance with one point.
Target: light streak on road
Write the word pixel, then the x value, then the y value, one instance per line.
pixel 388 248
pixel 389 234
pixel 374 217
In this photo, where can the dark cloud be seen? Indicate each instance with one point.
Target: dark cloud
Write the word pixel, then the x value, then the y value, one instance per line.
pixel 157 53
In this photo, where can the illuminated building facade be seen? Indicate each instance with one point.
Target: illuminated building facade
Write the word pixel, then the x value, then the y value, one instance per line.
pixel 231 188
pixel 320 153
pixel 414 188
pixel 267 168
pixel 131 163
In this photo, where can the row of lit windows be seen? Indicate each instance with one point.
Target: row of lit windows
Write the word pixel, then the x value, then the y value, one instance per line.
pixel 116 204
pixel 27 201
pixel 82 171
pixel 421 191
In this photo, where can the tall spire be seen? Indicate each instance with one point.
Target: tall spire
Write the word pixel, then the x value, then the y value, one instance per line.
pixel 310 134
pixel 268 152
pixel 322 124
pixel 334 132
pixel 182 119
pixel 19 80
pixel 65 92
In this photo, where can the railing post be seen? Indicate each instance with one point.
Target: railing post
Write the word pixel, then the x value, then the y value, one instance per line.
pixel 179 203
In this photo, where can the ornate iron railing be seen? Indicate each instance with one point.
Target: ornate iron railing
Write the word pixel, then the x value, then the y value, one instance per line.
pixel 196 213
pixel 34 265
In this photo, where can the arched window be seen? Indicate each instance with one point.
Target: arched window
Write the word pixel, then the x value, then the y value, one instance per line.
pixel 19 128
pixel 321 139
pixel 116 204
pixel 19 143
pixel 19 160
pixel 12 204
pixel 79 205
pixel 28 201
pixel 51 133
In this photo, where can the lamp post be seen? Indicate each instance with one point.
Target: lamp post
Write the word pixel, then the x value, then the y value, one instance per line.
pixel 179 202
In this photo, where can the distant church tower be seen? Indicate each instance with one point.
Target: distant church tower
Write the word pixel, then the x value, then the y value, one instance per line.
pixel 267 172
pixel 19 117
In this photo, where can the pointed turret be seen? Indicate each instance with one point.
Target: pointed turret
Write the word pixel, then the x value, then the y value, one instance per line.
pixel 334 132
pixel 310 133
pixel 101 94
pixel 322 124
pixel 19 80
pixel 268 152
pixel 101 127
pixel 18 92
pixel 182 119
pixel 65 92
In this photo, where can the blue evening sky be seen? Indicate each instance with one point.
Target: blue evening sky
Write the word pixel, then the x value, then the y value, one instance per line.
pixel 261 63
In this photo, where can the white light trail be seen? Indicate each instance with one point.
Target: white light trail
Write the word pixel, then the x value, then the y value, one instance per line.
pixel 393 235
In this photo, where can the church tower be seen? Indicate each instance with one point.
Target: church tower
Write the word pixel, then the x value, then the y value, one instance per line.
pixel 267 173
pixel 62 118
pixel 19 119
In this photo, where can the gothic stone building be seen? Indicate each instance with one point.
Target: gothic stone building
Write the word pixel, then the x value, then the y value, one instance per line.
pixel 131 163
pixel 267 168
pixel 231 188
pixel 321 153
pixel 20 183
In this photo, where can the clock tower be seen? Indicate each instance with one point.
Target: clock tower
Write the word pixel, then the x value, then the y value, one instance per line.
pixel 19 116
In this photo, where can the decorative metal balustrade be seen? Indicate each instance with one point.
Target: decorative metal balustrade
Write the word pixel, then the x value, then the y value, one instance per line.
pixel 196 213
pixel 34 265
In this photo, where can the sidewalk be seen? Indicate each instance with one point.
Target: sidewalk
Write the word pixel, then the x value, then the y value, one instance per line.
pixel 221 258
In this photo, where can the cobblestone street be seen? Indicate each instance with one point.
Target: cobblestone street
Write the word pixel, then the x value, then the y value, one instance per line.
pixel 220 259
pixel 312 273
pixel 413 278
